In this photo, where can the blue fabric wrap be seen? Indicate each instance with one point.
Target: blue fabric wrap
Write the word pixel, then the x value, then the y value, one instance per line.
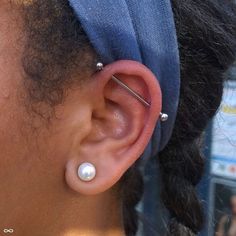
pixel 140 30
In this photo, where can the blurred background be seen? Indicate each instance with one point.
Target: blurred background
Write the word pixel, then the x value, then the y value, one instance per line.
pixel 218 186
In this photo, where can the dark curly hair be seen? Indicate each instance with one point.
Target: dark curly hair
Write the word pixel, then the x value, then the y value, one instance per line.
pixel 57 47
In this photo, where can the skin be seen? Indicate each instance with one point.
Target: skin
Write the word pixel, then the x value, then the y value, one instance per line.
pixel 40 192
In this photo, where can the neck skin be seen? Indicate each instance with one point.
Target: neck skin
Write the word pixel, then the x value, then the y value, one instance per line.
pixel 62 215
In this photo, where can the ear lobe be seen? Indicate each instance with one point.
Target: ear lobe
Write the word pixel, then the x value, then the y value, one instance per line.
pixel 121 125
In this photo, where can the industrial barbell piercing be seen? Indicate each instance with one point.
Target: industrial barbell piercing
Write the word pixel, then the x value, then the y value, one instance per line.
pixel 163 116
pixel 128 89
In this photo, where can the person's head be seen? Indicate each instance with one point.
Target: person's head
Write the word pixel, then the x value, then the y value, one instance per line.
pixel 58 112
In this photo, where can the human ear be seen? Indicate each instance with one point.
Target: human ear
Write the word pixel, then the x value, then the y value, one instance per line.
pixel 121 126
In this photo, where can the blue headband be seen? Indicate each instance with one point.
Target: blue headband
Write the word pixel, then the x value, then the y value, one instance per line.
pixel 143 31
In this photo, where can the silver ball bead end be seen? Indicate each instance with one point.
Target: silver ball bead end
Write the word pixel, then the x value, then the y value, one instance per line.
pixel 99 66
pixel 164 117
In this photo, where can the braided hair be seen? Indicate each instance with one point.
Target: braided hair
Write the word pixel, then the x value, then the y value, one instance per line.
pixel 206 33
pixel 207 41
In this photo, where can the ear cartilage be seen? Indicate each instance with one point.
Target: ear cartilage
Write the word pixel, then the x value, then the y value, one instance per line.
pixel 127 88
pixel 86 171
pixel 131 91
pixel 100 66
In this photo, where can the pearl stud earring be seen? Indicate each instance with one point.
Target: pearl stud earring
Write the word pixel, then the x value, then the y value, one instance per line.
pixel 86 171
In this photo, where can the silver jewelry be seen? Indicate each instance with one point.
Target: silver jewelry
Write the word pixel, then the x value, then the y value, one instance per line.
pixel 123 85
pixel 163 117
pixel 86 171
pixel 99 66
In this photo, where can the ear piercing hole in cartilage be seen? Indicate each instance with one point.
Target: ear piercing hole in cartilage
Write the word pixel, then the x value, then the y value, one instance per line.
pixel 163 116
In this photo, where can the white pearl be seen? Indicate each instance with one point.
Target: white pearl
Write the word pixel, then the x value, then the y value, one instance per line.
pixel 86 171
